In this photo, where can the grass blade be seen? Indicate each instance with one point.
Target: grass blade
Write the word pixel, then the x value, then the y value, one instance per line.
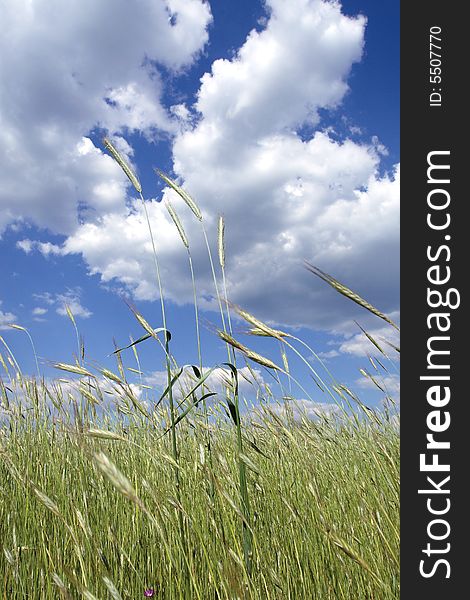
pixel 345 291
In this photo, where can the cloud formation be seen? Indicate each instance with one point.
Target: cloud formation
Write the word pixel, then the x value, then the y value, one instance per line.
pixel 252 147
pixel 249 382
pixel 303 409
pixel 66 68
pixel 389 384
pixel 70 298
pixel 359 345
pixel 6 318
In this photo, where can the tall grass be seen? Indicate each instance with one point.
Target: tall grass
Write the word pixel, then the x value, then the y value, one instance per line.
pixel 105 494
pixel 324 496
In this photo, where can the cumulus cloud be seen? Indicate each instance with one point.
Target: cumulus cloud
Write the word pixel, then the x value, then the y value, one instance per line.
pixel 251 385
pixel 107 394
pixel 45 248
pixel 327 355
pixel 360 345
pixel 38 313
pixel 303 409
pixel 249 382
pixel 390 384
pixel 100 67
pixel 243 152
pixel 6 318
pixel 279 78
pixel 71 299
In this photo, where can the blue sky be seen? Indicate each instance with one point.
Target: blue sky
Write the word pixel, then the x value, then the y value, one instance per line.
pixel 292 133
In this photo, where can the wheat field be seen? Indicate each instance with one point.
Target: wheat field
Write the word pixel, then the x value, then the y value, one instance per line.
pixel 111 490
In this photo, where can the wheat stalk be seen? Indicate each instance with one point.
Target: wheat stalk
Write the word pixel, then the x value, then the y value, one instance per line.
pixel 221 241
pixel 112 589
pixel 254 356
pixel 260 328
pixel 177 222
pixel 182 193
pixel 73 369
pixel 123 164
pixel 345 291
pixel 118 479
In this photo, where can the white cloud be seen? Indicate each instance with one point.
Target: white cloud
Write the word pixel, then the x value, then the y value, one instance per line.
pixel 71 299
pixel 285 197
pixel 327 355
pixel 74 304
pixel 389 383
pixel 283 74
pixel 251 389
pixel 360 345
pixel 302 408
pixel 6 318
pixel 107 394
pixel 218 381
pixel 26 245
pixel 66 68
pixel 38 314
pixel 45 248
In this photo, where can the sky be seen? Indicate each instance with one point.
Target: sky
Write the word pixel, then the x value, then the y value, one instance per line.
pixel 280 115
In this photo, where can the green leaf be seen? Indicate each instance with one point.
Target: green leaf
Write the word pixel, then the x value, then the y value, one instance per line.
pixel 183 414
pixel 169 386
pixel 143 338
